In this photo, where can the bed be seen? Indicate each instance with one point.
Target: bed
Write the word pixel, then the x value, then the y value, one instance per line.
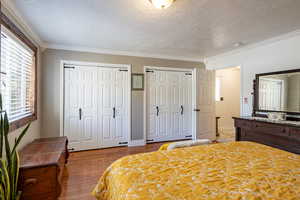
pixel 236 170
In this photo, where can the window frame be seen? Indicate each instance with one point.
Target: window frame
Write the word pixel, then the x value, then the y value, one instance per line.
pixel 8 24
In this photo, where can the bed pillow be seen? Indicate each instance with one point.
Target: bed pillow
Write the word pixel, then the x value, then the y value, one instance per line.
pixel 188 143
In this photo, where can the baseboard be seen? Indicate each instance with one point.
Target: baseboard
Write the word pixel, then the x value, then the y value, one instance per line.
pixel 136 143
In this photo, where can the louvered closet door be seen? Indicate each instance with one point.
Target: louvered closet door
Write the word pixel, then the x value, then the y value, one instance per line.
pixel 113 107
pixel 80 108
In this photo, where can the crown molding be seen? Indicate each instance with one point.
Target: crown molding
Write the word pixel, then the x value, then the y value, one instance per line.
pixel 266 42
pixel 20 20
pixel 116 52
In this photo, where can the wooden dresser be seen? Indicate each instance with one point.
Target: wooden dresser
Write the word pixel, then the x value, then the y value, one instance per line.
pixel 42 166
pixel 283 135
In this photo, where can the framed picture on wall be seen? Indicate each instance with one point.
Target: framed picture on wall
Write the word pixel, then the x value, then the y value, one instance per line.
pixel 137 81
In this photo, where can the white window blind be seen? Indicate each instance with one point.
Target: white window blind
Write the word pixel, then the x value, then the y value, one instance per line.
pixel 17 76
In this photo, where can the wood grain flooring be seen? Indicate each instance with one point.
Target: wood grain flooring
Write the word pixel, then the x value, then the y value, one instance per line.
pixel 85 168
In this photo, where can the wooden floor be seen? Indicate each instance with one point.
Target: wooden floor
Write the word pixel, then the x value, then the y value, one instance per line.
pixel 85 168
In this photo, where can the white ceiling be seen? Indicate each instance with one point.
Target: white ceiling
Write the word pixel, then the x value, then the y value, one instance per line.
pixel 190 29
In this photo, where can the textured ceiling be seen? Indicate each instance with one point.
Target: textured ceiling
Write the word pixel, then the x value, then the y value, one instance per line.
pixel 192 29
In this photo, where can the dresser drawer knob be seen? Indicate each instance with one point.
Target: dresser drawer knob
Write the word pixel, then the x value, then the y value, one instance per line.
pixel 30 181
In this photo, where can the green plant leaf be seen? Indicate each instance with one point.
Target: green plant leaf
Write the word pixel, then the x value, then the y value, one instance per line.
pixel 7 145
pixel 1 135
pixel 1 102
pixel 13 175
pixel 5 178
pixel 17 171
pixel 17 142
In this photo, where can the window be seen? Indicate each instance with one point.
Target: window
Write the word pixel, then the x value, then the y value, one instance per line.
pixel 18 76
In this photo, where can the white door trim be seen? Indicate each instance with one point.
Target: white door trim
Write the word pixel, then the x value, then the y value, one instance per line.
pixel 194 96
pixel 93 64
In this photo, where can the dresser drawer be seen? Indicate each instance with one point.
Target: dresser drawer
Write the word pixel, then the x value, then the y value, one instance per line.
pixel 37 181
pixel 270 129
pixel 243 124
pixel 295 134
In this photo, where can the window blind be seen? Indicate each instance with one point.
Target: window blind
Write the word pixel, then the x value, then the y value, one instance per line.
pixel 17 77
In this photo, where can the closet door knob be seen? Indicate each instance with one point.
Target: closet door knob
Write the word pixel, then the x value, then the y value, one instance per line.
pixel 181 110
pixel 157 110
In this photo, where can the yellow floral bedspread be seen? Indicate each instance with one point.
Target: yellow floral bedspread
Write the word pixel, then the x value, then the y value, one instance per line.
pixel 235 171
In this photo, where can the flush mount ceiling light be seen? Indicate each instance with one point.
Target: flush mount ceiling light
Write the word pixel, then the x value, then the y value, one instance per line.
pixel 162 4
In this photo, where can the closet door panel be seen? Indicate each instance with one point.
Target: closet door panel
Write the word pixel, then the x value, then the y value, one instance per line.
pixel 106 103
pixel 121 107
pixel 151 93
pixel 89 105
pixel 71 106
pixel 114 107
pixel 81 107
pixel 174 104
pixel 163 105
pixel 186 101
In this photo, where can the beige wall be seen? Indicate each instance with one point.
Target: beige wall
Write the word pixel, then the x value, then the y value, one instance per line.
pixel 34 130
pixel 230 90
pixel 51 84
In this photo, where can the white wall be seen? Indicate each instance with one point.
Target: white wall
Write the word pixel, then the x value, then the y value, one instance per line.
pixel 276 54
pixel 230 91
pixel 34 130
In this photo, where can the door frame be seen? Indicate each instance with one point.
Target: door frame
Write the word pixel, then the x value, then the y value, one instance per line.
pixel 194 96
pixel 93 64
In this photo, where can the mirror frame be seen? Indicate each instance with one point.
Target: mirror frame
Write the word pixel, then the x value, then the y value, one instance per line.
pixel 256 93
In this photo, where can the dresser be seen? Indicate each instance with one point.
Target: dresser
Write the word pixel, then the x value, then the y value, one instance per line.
pixel 42 165
pixel 283 135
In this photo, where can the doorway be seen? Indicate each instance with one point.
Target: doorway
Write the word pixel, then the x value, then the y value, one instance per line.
pixel 228 87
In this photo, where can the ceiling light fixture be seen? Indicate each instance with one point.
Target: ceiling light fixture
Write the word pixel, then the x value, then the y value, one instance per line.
pixel 162 4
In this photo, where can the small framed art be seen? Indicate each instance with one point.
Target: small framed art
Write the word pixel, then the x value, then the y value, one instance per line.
pixel 137 81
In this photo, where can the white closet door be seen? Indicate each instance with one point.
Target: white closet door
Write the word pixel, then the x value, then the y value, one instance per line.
pixel 169 114
pixel 186 123
pixel 113 107
pixel 175 93
pixel 162 104
pixel 157 106
pixel 151 116
pixel 80 121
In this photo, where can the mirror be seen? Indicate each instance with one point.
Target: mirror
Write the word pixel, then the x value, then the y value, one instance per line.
pixel 279 92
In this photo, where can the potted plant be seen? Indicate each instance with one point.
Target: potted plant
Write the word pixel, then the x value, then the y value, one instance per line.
pixel 9 160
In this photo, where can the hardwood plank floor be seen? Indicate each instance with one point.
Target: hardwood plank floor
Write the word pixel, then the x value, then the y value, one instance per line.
pixel 85 168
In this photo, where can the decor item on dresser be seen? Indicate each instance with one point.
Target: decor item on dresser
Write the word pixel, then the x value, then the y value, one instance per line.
pixel 9 164
pixel 42 166
pixel 276 116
